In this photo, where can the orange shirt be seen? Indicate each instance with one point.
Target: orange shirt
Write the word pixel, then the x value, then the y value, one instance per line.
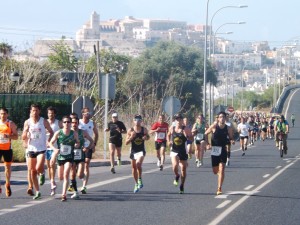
pixel 5 143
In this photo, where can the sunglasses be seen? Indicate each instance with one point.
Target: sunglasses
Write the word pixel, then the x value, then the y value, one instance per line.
pixel 66 121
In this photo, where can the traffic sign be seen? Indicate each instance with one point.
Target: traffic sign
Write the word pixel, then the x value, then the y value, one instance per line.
pixel 82 102
pixel 230 109
pixel 171 105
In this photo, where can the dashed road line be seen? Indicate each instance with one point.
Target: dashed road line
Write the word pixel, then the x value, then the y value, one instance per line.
pixel 266 175
pixel 223 204
pixel 248 188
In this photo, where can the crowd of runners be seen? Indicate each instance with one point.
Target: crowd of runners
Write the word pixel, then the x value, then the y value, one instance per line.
pixel 67 146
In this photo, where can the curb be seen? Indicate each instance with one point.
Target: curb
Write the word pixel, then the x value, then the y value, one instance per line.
pixel 22 166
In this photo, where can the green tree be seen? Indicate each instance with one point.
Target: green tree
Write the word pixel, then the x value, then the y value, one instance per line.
pixel 167 69
pixel 63 57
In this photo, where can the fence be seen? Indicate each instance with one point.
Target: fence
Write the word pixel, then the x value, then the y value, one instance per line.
pixel 18 105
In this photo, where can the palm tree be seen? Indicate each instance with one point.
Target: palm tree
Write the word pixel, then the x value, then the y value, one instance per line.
pixel 5 49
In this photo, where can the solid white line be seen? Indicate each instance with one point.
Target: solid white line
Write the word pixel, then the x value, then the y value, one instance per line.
pixel 223 204
pixel 288 161
pixel 243 199
pixel 266 175
pixel 248 188
pixel 278 167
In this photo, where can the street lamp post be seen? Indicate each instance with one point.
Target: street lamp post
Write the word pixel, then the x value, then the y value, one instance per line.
pixel 213 16
pixel 205 62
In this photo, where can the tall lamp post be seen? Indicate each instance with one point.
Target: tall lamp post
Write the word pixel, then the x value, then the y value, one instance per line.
pixel 213 16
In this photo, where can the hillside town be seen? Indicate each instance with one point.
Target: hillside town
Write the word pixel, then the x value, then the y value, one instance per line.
pixel 251 66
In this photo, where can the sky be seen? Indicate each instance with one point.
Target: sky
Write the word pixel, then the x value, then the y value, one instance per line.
pixel 275 21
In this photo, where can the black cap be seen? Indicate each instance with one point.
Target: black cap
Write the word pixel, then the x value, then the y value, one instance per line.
pixel 138 116
pixel 282 117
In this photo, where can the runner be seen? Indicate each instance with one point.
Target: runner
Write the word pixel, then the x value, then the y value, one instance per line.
pixel 243 129
pixel 271 128
pixel 198 131
pixel 91 128
pixel 293 119
pixel 177 137
pixel 282 125
pixel 116 128
pixel 137 136
pixel 66 139
pixel 160 129
pixel 34 133
pixel 8 132
pixel 79 156
pixel 189 142
pixel 55 125
pixel 263 127
pixel 219 131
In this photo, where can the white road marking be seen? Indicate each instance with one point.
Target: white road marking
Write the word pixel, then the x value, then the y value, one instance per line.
pixel 288 161
pixel 221 196
pixel 226 212
pixel 223 204
pixel 278 167
pixel 248 188
pixel 266 175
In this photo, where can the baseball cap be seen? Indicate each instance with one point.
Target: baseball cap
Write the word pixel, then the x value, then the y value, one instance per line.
pixel 114 115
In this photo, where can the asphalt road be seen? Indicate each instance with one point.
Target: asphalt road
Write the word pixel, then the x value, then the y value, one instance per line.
pixel 259 188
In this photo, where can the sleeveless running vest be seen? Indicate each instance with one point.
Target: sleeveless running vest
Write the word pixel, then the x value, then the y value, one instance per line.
pixel 55 127
pixel 219 137
pixel 65 144
pixel 179 142
pixel 89 128
pixel 5 143
pixel 138 143
pixel 37 140
pixel 78 152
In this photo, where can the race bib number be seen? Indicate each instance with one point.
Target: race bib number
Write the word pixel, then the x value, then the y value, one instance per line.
pixel 77 154
pixel 161 135
pixel 173 154
pixel 216 150
pixel 3 139
pixel 138 155
pixel 35 134
pixel 65 149
pixel 199 137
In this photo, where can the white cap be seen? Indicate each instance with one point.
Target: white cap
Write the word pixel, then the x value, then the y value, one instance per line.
pixel 114 115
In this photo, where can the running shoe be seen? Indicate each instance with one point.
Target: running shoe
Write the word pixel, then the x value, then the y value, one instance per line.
pixel 198 163
pixel 83 190
pixel 181 189
pixel 161 167
pixel 119 162
pixel 8 191
pixel 175 182
pixel 136 188
pixel 37 196
pixel 219 191
pixel 42 179
pixel 71 188
pixel 75 195
pixel 140 183
pixel 63 198
pixel 52 193
pixel 30 192
pixel 190 156
pixel 112 170
pixel 243 154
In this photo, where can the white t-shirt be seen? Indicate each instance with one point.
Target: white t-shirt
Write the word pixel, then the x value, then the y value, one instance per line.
pixel 244 128
pixel 55 127
pixel 89 128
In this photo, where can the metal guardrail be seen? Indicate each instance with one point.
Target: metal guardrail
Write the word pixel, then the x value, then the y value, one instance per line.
pixel 282 98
